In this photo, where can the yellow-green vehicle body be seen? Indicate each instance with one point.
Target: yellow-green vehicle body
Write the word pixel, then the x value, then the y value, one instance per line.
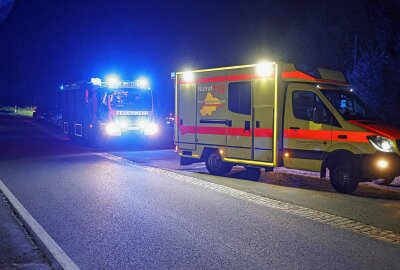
pixel 280 114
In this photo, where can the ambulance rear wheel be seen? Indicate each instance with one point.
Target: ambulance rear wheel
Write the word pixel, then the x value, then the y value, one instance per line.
pixel 215 165
pixel 344 178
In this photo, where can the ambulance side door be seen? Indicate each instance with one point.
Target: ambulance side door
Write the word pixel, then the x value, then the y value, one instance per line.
pixel 239 120
pixel 263 119
pixel 308 129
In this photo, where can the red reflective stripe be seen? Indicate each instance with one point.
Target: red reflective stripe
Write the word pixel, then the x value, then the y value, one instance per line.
pixel 301 75
pixel 231 131
pixel 187 129
pixel 86 96
pixel 327 135
pixel 379 128
pixel 308 134
pixel 239 77
pixel 263 132
pixel 297 75
pixel 352 136
pixel 211 130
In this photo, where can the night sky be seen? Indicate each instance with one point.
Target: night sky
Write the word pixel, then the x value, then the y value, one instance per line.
pixel 44 43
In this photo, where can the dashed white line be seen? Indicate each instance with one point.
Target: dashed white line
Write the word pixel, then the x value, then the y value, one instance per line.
pixel 38 232
pixel 315 215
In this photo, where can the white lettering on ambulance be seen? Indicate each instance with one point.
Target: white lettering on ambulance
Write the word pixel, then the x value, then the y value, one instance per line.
pixel 203 88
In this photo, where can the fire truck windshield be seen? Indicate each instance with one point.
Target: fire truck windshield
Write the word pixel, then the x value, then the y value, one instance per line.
pixel 350 106
pixel 132 99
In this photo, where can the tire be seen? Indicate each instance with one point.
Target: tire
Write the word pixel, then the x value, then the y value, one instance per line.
pixel 344 178
pixel 216 166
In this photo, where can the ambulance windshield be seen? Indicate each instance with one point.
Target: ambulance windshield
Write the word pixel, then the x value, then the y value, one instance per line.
pixel 132 99
pixel 348 105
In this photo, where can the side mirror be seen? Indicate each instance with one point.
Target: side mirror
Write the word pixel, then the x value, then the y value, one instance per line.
pixel 318 115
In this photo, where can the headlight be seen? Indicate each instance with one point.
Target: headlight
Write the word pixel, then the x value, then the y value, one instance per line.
pixel 143 124
pixel 113 129
pixel 151 129
pixel 123 124
pixel 381 143
pixel 148 127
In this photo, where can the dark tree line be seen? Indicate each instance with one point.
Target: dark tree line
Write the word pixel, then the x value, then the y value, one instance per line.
pixel 360 37
pixel 42 46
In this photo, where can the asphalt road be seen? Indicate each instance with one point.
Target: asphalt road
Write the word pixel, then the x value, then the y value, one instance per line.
pixel 107 214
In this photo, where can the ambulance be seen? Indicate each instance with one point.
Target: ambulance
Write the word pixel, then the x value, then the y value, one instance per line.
pixel 279 114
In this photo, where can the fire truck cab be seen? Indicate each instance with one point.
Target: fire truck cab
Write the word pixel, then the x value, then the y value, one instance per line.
pixel 96 110
pixel 279 114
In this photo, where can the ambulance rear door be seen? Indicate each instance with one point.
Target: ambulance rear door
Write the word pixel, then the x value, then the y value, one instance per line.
pixel 186 114
pixel 211 106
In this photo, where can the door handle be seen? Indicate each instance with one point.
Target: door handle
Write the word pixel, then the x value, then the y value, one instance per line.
pixel 343 137
pixel 257 124
pixel 181 122
pixel 247 125
pixel 295 128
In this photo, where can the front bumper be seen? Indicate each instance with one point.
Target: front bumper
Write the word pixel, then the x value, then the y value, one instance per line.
pixel 372 168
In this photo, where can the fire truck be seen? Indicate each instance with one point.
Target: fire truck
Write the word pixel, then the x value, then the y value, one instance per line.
pixel 99 110
pixel 279 114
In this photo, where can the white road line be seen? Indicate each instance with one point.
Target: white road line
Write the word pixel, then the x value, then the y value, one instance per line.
pixel 38 232
pixel 315 215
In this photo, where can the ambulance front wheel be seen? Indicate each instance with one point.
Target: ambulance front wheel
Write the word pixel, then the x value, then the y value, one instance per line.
pixel 215 165
pixel 344 178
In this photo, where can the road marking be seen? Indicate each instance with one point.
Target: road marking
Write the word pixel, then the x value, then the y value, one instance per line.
pixel 38 232
pixel 315 215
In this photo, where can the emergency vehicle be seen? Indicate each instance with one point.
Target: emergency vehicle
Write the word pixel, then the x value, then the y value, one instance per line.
pixel 280 114
pixel 98 110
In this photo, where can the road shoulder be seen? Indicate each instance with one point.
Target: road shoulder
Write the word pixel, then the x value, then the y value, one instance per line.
pixel 17 249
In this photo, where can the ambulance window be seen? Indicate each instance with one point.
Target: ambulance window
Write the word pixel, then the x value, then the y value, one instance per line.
pixel 239 97
pixel 304 103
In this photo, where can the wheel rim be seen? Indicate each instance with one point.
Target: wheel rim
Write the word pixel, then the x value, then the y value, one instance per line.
pixel 345 178
pixel 214 161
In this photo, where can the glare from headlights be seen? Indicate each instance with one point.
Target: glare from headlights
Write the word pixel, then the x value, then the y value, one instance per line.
pixel 148 127
pixel 123 124
pixel 113 129
pixel 143 123
pixel 151 129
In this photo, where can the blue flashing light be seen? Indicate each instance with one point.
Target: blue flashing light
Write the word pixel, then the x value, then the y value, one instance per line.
pixel 113 80
pixel 95 81
pixel 143 83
